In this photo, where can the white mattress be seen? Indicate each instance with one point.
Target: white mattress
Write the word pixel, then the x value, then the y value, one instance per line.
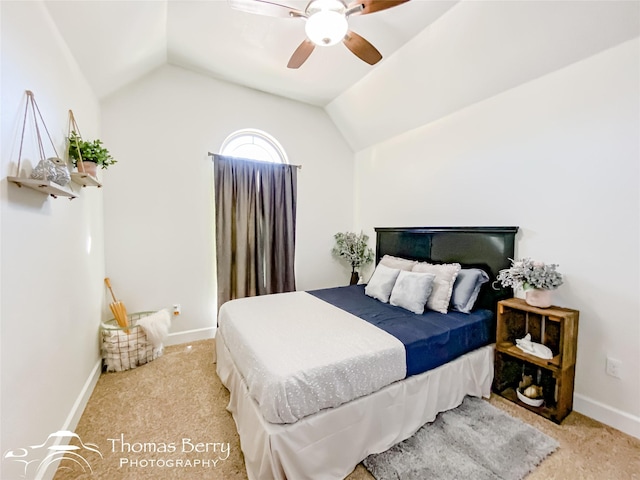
pixel 299 355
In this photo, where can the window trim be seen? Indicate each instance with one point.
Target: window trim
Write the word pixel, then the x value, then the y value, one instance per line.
pixel 262 135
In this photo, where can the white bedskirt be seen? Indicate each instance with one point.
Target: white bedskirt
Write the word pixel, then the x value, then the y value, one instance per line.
pixel 331 443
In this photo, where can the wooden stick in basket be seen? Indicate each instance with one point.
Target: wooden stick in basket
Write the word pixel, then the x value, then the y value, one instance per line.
pixel 117 308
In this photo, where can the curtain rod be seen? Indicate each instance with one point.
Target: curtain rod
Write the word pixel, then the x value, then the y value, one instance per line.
pixel 299 167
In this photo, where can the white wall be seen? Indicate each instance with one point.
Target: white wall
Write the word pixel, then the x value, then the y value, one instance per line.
pixel 159 212
pixel 559 157
pixel 574 131
pixel 476 50
pixel 52 249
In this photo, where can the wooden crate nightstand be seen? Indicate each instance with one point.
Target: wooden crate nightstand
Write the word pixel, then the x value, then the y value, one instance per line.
pixel 555 327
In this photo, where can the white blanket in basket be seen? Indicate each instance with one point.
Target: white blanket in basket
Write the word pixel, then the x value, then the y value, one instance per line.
pixel 141 343
pixel 123 351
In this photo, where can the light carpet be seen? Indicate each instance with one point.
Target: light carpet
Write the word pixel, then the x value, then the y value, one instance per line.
pixel 179 396
pixel 475 441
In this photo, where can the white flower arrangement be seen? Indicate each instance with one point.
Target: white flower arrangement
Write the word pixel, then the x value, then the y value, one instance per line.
pixel 528 274
pixel 353 248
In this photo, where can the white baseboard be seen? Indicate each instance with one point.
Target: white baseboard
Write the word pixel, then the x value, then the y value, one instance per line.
pixel 79 405
pixel 608 415
pixel 73 418
pixel 83 398
pixel 190 336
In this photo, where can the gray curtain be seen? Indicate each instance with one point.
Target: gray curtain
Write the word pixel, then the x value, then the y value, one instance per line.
pixel 255 205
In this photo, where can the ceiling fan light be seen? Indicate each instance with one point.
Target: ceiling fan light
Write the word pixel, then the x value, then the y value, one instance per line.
pixel 326 27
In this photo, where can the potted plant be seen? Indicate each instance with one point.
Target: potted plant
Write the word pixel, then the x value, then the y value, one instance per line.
pixel 353 248
pixel 88 155
pixel 537 279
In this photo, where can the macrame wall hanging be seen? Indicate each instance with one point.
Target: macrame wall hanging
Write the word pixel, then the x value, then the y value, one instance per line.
pixel 51 174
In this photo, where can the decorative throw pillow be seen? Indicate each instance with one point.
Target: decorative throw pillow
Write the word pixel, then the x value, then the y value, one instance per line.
pixel 381 283
pixel 442 285
pixel 397 262
pixel 466 288
pixel 412 290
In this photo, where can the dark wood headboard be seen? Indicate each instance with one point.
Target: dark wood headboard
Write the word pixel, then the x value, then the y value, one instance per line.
pixel 489 248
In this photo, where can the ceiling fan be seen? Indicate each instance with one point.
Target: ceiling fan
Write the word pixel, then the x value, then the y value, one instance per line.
pixel 325 24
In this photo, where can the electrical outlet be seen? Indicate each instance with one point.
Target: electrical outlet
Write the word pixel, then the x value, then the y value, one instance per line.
pixel 176 309
pixel 613 367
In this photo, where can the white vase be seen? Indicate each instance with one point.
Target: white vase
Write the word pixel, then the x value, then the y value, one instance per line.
pixel 538 297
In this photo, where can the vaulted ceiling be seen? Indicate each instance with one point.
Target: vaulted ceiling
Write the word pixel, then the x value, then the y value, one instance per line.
pixel 438 55
pixel 118 41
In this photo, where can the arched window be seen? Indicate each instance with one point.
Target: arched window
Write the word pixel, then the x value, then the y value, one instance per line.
pixel 255 191
pixel 254 144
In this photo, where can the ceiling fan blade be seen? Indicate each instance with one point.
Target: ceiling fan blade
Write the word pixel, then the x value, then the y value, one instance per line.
pixel 301 54
pixel 262 7
pixel 371 6
pixel 362 48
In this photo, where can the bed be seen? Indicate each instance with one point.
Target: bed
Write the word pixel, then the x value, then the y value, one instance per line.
pixel 316 386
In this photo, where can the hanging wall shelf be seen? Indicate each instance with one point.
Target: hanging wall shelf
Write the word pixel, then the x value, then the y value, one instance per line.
pixel 51 175
pixel 85 179
pixel 43 186
pixel 80 177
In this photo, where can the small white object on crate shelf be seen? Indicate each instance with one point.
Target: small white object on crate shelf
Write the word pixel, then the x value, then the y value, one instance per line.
pixel 534 402
pixel 536 349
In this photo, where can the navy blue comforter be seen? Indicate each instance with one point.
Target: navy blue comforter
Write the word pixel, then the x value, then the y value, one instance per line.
pixel 430 340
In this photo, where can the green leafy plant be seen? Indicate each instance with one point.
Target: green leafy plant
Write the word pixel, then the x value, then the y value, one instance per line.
pixel 86 151
pixel 528 274
pixel 353 248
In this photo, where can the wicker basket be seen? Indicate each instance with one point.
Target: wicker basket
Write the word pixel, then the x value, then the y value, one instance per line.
pixel 126 348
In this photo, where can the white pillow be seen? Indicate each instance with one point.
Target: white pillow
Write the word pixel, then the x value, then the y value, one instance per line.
pixel 446 274
pixel 381 283
pixel 397 262
pixel 411 291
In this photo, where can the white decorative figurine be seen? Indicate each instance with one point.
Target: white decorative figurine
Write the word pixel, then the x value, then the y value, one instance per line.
pixel 537 349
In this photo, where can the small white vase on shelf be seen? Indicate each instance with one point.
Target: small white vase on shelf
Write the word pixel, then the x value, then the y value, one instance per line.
pixel 538 297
